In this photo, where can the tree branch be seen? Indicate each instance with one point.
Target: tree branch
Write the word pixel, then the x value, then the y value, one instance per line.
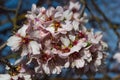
pixel 114 27
pixel 12 68
pixel 3 45
pixel 6 9
pixel 83 8
pixel 16 14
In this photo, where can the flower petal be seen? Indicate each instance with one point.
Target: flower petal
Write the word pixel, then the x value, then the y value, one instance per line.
pixel 74 5
pixel 41 35
pixel 75 48
pixel 117 57
pixel 75 25
pixel 65 41
pixel 33 8
pixel 46 69
pixel 50 12
pixel 67 64
pixel 14 42
pixel 100 55
pixel 51 29
pixel 24 51
pixel 97 62
pixel 79 63
pixel 79 45
pixel 71 37
pixel 73 64
pixel 34 47
pixel 67 26
pixel 54 71
pixel 22 30
pixel 58 69
pixel 67 14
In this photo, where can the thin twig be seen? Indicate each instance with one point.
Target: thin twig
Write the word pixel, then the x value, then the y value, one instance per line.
pixel 114 27
pixel 18 7
pixel 3 45
pixel 6 9
pixel 83 7
pixel 16 14
pixel 9 18
pixel 6 62
pixel 97 19
pixel 12 68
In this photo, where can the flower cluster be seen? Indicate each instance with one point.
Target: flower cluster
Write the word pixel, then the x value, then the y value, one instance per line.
pixel 56 38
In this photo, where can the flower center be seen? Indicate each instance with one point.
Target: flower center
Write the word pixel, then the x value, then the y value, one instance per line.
pixel 45 57
pixel 81 35
pixel 75 55
pixel 49 19
pixel 57 47
pixel 66 50
pixel 25 40
pixel 75 42
pixel 74 10
pixel 56 25
pixel 36 19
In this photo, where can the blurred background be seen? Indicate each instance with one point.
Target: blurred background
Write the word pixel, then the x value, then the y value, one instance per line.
pixel 103 16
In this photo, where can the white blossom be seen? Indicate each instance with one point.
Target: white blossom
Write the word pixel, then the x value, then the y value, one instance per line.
pixel 79 63
pixel 117 57
pixel 46 69
pixel 15 41
pixel 16 77
pixel 74 6
pixel 56 38
pixel 67 64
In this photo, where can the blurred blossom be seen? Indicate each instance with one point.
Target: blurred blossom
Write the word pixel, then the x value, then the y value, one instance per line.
pixel 16 77
pixel 117 57
pixel 117 54
pixel 56 38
